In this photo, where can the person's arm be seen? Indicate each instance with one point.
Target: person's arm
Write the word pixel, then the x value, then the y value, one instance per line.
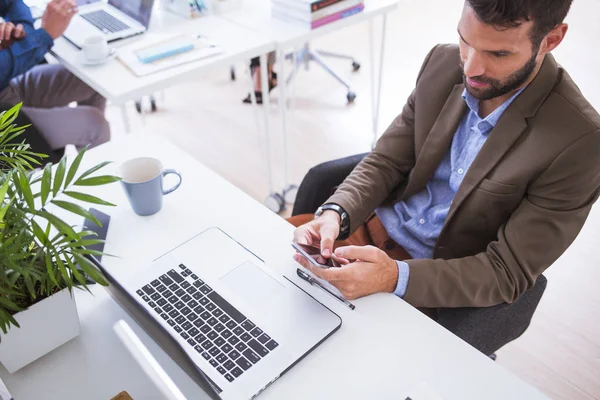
pixel 386 167
pixel 537 233
pixel 23 54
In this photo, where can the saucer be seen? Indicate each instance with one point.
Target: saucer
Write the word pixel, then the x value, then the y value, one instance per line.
pixel 112 54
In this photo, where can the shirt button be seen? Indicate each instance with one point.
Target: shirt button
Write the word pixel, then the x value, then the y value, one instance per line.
pixel 460 171
pixel 421 221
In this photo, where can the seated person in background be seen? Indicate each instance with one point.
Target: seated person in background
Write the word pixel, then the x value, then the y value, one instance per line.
pixel 46 90
pixel 255 71
pixel 482 182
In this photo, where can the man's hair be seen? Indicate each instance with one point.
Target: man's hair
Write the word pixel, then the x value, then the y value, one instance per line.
pixel 504 14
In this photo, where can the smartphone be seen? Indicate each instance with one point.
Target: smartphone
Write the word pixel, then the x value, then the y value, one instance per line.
pixel 313 255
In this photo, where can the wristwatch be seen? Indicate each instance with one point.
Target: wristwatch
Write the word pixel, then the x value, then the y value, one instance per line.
pixel 344 218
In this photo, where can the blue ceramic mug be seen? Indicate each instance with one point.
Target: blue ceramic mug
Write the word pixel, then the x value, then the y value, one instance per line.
pixel 142 180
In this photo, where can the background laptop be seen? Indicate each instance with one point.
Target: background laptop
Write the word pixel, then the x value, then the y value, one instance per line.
pixel 229 321
pixel 116 19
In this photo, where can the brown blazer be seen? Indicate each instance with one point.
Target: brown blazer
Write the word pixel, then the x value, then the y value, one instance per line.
pixel 523 200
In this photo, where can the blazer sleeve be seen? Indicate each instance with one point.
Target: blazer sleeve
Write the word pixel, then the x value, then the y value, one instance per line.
pixel 384 168
pixel 539 231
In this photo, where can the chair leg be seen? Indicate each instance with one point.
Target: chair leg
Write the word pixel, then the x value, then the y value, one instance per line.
pixel 493 356
pixel 319 60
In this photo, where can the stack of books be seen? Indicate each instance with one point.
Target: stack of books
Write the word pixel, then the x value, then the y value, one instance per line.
pixel 315 13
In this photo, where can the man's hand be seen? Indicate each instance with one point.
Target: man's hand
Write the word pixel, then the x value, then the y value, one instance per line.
pixel 321 232
pixel 57 16
pixel 373 271
pixel 9 33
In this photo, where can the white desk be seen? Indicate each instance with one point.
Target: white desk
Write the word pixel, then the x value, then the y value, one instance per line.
pixel 256 15
pixel 382 351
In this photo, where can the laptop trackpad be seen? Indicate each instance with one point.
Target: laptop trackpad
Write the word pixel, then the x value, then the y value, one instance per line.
pixel 252 284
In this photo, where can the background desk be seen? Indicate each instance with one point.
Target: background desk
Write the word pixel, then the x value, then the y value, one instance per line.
pixel 383 350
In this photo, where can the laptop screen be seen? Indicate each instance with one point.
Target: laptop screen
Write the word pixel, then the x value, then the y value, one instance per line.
pixel 140 10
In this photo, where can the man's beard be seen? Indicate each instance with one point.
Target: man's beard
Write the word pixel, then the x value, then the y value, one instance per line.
pixel 498 88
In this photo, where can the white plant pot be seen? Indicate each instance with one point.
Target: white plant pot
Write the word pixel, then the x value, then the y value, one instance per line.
pixel 45 326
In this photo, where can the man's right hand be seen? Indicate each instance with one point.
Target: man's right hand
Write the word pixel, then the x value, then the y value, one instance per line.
pixel 321 231
pixel 57 16
pixel 9 33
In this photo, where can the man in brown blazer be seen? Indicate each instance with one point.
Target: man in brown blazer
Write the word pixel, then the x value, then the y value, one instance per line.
pixel 482 182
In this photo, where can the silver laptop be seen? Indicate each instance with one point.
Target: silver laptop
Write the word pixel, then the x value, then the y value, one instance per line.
pixel 242 324
pixel 116 19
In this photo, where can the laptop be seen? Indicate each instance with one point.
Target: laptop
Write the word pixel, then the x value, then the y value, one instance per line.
pixel 233 324
pixel 117 19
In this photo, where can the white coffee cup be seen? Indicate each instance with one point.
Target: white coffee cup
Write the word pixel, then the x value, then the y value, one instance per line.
pixel 95 48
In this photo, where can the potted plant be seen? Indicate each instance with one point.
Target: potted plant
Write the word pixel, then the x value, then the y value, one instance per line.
pixel 42 258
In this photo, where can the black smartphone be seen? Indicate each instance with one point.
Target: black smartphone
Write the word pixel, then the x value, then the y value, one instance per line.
pixel 313 255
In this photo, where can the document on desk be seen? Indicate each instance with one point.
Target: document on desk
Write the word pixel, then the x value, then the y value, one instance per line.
pixel 423 392
pixel 160 52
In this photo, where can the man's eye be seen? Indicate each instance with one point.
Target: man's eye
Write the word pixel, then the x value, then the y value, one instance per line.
pixel 499 54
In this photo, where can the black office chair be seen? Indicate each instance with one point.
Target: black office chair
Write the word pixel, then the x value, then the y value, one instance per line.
pixel 34 138
pixel 486 329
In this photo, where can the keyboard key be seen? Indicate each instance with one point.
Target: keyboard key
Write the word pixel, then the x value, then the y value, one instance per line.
pixel 155 296
pixel 152 304
pixel 233 340
pixel 219 341
pixel 191 290
pixel 229 364
pixel 233 354
pixel 158 310
pixel 205 289
pixel 214 351
pixel 179 305
pixel 256 332
pixel 185 284
pixel 173 299
pixel 161 288
pixel 192 304
pixel 184 335
pixel 207 344
pixel 182 266
pixel 174 313
pixel 212 321
pixel 245 337
pixel 186 310
pixel 221 358
pixel 264 338
pixel 231 324
pixel 218 312
pixel 186 298
pixel 204 301
pixel 146 298
pixel 180 292
pixel 167 307
pixel 242 362
pixel 171 322
pixel 199 349
pixel 155 283
pixel 205 329
pixel 198 323
pixel 248 325
pixel 210 306
pixel 140 292
pixel 180 319
pixel 186 325
pixel 251 356
pixel 173 287
pixel 205 315
pixel 219 327
pixel 165 280
pixel 271 344
pixel 160 302
pixel 148 289
pixel 239 330
pixel 177 328
pixel 193 331
pixel 199 310
pixel 226 306
pixel 175 276
pixel 226 334
pixel 214 363
pixel 236 372
pixel 192 317
pixel 212 335
pixel 229 377
pixel 194 276
pixel 197 295
pixel 226 348
pixel 198 283
pixel 224 318
pixel 206 355
pixel 167 293
pixel 164 316
pixel 258 348
pixel 200 338
pixel 241 347
pixel 185 273
pixel 191 341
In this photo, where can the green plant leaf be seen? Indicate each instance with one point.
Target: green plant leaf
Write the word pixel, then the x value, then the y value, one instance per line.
pixel 6 303
pixel 76 209
pixel 26 190
pixel 97 180
pixel 46 182
pixel 90 270
pixel 9 116
pixel 94 169
pixel 59 176
pixel 39 233
pixel 49 268
pixel 76 273
pixel 88 198
pixel 74 167
pixel 59 224
pixel 63 271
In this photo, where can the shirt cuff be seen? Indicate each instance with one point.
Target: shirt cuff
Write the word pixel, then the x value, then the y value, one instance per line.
pixel 44 37
pixel 403 274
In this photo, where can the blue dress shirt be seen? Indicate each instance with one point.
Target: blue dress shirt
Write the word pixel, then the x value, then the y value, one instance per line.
pixel 24 54
pixel 416 223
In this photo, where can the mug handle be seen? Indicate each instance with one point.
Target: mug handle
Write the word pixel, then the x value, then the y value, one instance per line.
pixel 168 172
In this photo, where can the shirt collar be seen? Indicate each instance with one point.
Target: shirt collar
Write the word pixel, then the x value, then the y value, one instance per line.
pixel 492 119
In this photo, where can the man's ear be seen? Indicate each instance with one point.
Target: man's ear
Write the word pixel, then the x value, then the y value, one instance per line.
pixel 553 39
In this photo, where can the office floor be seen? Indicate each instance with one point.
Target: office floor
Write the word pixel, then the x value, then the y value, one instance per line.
pixel 560 353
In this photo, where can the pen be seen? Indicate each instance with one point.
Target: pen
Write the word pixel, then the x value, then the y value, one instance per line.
pixel 313 281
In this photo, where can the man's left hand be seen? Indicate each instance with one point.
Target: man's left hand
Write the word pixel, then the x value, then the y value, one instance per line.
pixel 9 33
pixel 371 271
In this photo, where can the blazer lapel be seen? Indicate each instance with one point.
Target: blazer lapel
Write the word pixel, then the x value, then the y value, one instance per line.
pixel 439 139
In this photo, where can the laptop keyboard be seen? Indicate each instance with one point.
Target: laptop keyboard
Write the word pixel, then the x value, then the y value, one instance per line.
pixel 104 21
pixel 229 341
